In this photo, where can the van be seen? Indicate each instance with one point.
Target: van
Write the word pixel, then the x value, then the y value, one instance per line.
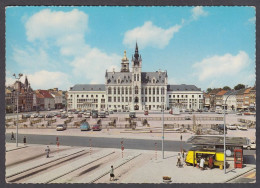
pixel 196 153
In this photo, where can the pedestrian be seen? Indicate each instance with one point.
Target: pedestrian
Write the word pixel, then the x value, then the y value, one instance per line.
pixel 24 140
pixel 47 150
pixel 211 162
pixel 202 162
pixel 183 154
pixel 178 160
pixel 12 136
pixel 112 175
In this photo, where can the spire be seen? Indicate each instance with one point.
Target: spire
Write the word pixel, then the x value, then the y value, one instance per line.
pixel 26 81
pixel 136 52
pixel 124 58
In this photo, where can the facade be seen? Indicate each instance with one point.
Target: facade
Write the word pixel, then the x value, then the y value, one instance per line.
pixel 240 99
pixel 206 101
pixel 252 95
pixel 133 89
pixel 212 98
pixel 231 100
pixel 45 100
pixel 219 99
pixel 246 100
pixel 184 97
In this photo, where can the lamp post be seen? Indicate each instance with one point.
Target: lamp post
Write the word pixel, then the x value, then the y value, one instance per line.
pixel 17 78
pixel 225 133
pixel 162 130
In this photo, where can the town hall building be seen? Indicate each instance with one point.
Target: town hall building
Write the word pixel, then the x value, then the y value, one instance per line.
pixel 133 89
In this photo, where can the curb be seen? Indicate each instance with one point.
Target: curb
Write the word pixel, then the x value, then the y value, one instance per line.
pixel 78 168
pixel 239 175
pixel 92 181
pixel 43 164
pixel 16 148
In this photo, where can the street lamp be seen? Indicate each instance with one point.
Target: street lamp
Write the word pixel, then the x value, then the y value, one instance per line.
pixel 162 130
pixel 17 78
pixel 225 133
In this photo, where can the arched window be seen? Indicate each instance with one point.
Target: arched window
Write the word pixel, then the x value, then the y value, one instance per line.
pixel 123 90
pixel 136 99
pixel 134 77
pixel 154 91
pixel 137 77
pixel 118 90
pixel 109 90
pixel 114 90
pixel 150 91
pixel 162 91
pixel 136 89
pixel 130 91
pixel 158 90
pixel 126 90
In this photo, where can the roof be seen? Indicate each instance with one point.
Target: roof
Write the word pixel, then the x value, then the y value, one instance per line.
pixel 126 77
pixel 231 92
pixel 45 94
pixel 248 90
pixel 38 95
pixel 217 140
pixel 222 92
pixel 240 92
pixel 214 91
pixel 88 87
pixel 56 94
pixel 182 87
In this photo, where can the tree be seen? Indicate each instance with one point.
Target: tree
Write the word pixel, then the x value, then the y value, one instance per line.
pixel 226 88
pixel 239 86
pixel 209 90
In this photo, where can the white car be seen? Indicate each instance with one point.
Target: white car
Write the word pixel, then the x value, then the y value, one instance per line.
pixel 60 127
pixel 252 145
pixel 70 116
pixel 242 127
pixel 232 127
pixel 34 115
pixel 239 114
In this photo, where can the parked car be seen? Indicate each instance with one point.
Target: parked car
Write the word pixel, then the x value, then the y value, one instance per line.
pixel 49 116
pixel 58 115
pixel 64 116
pixel 84 126
pixel 61 110
pixel 70 116
pixel 61 127
pixel 187 118
pixel 40 116
pixel 221 127
pixel 107 113
pixel 79 115
pixel 102 114
pixel 132 114
pixel 87 115
pixel 232 127
pixel 96 127
pixel 239 114
pixel 111 112
pixel 251 145
pixel 26 116
pixel 34 115
pixel 242 127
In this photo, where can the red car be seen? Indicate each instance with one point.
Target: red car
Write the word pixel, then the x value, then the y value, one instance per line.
pixel 58 115
pixel 96 127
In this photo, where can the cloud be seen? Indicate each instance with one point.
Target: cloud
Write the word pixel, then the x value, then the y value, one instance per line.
pixel 217 67
pixel 45 80
pixel 198 12
pixel 150 35
pixel 93 64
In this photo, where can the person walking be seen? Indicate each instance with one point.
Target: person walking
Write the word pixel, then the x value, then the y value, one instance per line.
pixel 211 162
pixel 12 136
pixel 24 140
pixel 178 160
pixel 47 150
pixel 202 162
pixel 112 175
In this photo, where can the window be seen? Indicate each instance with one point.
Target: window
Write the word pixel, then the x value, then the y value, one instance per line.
pixel 126 99
pixel 91 95
pixel 181 96
pixel 118 81
pixel 118 90
pixel 130 99
pixel 158 90
pixel 192 96
pixel 118 99
pixel 136 89
pixel 142 90
pixel 145 90
pixel 114 90
pixel 130 91
pixel 145 99
pixel 134 77
pixel 142 99
pixel 186 96
pixel 82 96
pixel 158 99
pixel 162 99
pixel 126 90
pixel 102 100
pixel 70 95
pixel 122 99
pixel 136 100
pixel 199 96
pixel 150 91
pixel 96 95
pixel 153 91
pixel 153 81
pixel 123 90
pixel 77 96
pixel 162 91
pixel 137 77
pixel 173 96
pixel 114 99
pixel 153 99
pixel 177 96
pixel 109 99
pixel 103 96
pixel 149 99
pixel 169 96
pixel 109 90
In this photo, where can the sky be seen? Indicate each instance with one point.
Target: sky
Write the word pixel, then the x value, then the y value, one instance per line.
pixel 63 46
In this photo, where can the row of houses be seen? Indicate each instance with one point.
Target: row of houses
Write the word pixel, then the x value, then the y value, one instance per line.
pixel 33 100
pixel 243 99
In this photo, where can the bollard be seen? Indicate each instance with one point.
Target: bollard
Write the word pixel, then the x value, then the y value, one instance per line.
pixel 155 150
pixel 90 149
pixel 122 148
pixel 58 144
pixel 57 139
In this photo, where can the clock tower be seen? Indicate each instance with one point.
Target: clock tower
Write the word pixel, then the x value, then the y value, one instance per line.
pixel 136 80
